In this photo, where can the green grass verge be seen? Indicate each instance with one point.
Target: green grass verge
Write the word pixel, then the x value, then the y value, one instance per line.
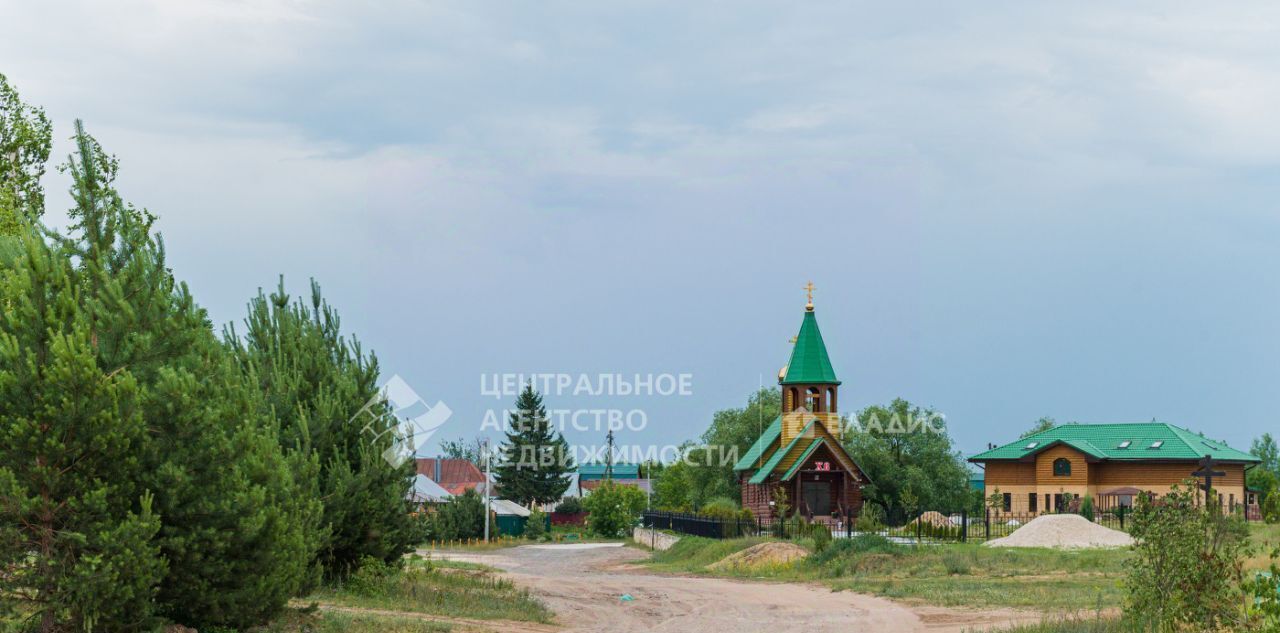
pixel 297 621
pixel 456 590
pixel 948 575
pixel 1076 625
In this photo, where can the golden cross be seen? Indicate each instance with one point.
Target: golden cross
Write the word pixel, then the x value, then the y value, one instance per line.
pixel 808 289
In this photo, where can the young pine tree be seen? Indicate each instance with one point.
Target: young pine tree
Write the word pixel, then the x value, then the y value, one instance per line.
pixel 318 384
pixel 235 531
pixel 78 543
pixel 535 457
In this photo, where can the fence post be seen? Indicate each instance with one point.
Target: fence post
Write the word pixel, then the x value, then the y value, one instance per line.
pixel 1121 518
pixel 987 525
pixel 964 526
pixel 918 523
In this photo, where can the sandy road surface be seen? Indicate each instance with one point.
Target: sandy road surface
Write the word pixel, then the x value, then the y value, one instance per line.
pixel 583 583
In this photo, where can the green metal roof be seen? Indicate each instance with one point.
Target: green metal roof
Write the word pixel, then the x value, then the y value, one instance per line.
pixel 1104 441
pixel 809 361
pixel 756 452
pixel 803 456
pixel 768 467
pixel 589 472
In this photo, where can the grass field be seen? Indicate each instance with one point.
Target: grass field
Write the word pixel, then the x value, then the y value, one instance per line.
pixel 948 575
pixel 449 589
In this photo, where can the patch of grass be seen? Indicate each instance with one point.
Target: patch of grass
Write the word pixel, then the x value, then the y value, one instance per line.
pixel 298 621
pixel 431 589
pixel 692 554
pixel 1095 624
pixel 949 575
pixel 1265 539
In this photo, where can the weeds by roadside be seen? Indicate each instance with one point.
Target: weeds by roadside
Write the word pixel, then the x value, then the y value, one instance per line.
pixel 430 587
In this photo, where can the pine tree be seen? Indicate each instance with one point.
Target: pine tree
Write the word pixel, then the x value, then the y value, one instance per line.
pixel 78 542
pixel 319 384
pixel 535 457
pixel 235 531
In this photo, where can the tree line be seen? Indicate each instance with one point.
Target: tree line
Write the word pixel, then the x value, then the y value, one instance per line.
pixel 153 469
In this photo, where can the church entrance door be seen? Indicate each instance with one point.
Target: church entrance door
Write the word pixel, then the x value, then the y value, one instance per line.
pixel 817 497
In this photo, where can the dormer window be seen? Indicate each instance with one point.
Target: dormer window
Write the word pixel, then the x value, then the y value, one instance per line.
pixel 1032 445
pixel 1157 444
pixel 1125 444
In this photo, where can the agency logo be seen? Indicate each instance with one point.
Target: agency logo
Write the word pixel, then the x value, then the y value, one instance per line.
pixel 398 413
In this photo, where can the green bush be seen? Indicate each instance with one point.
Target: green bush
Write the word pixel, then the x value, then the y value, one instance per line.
pixel 1188 568
pixel 614 509
pixel 372 578
pixel 821 536
pixel 569 505
pixel 859 544
pixel 536 526
pixel 871 519
pixel 1086 507
pixel 462 517
pixel 720 508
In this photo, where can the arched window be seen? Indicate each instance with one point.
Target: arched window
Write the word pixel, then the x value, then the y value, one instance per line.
pixel 831 400
pixel 814 400
pixel 1062 467
pixel 793 399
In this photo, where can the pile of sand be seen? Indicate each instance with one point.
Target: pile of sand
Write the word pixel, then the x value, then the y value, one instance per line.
pixel 1063 531
pixel 761 555
pixel 936 519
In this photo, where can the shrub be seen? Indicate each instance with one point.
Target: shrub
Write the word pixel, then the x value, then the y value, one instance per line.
pixel 1086 507
pixel 956 564
pixel 821 536
pixel 536 526
pixel 1271 506
pixel 859 544
pixel 720 508
pixel 613 509
pixel 372 578
pixel 871 519
pixel 1188 570
pixel 569 505
pixel 462 517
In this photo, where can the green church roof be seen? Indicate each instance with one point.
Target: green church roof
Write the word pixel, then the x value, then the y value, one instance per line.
pixel 751 458
pixel 1129 442
pixel 809 361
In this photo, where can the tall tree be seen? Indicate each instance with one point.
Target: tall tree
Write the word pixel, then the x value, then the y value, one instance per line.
pixel 908 462
pixel 471 450
pixel 26 138
pixel 324 390
pixel 1265 448
pixel 731 433
pixel 535 458
pixel 1041 425
pixel 234 525
pixel 77 542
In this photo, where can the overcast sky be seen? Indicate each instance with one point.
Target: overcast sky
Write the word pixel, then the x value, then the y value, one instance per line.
pixel 1009 211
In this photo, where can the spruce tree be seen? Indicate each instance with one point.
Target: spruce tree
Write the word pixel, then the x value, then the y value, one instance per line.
pixel 535 457
pixel 319 385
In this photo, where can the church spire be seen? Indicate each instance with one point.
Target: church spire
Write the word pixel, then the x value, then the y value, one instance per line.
pixel 809 361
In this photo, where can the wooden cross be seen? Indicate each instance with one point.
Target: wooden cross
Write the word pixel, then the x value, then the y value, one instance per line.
pixel 808 290
pixel 1207 473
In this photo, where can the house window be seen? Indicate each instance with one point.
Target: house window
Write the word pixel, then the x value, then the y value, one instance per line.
pixel 1057 503
pixel 1008 501
pixel 1062 467
pixel 1031 501
pixel 1046 503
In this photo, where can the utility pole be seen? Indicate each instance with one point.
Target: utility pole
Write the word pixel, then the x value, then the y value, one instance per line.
pixel 608 458
pixel 488 483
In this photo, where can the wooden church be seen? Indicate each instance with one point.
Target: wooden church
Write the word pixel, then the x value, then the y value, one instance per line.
pixel 798 465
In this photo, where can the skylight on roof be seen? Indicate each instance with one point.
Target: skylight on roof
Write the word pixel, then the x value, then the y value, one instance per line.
pixel 1157 444
pixel 1125 444
pixel 1033 444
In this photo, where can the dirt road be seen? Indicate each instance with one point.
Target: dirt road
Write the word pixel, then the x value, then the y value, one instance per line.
pixel 584 584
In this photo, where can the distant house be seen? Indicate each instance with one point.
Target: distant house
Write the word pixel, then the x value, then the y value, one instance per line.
pixel 427 491
pixel 456 476
pixel 977 480
pixel 1113 463
pixel 590 476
